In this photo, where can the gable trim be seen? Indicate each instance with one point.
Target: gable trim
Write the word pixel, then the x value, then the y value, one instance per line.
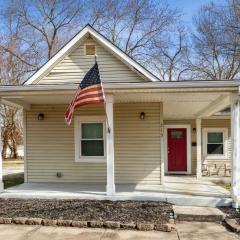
pixel 59 56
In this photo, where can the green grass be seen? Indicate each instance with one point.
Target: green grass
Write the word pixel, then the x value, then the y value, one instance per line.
pixel 224 185
pixel 13 180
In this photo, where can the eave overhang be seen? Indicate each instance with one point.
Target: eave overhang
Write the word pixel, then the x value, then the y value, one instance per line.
pixel 233 86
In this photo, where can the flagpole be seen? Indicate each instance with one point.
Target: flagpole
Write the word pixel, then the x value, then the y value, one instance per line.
pixel 104 104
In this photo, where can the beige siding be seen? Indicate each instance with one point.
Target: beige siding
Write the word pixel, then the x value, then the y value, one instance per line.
pixel 50 145
pixel 210 123
pixel 74 67
pixel 137 143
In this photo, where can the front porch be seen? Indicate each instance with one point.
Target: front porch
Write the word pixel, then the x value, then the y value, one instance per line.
pixel 135 153
pixel 179 190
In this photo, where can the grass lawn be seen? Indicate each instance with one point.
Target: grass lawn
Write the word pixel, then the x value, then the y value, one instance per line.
pixel 224 185
pixel 13 180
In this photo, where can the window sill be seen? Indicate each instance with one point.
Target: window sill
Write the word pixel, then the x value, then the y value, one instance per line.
pixel 216 157
pixel 91 160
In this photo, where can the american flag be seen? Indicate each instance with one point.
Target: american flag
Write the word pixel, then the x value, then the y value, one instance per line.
pixel 90 91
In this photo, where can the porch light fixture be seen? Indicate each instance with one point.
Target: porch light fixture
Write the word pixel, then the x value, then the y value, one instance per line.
pixel 142 115
pixel 41 116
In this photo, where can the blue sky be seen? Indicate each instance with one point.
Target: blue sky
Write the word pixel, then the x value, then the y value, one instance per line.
pixel 190 7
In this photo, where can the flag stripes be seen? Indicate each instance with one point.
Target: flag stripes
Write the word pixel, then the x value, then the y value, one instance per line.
pixel 90 91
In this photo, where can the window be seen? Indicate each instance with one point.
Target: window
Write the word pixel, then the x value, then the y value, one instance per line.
pixel 90 50
pixel 89 138
pixel 215 143
pixel 92 143
pixel 176 134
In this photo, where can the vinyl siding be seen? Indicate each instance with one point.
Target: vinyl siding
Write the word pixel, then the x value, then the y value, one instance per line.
pixel 137 143
pixel 74 66
pixel 207 123
pixel 50 145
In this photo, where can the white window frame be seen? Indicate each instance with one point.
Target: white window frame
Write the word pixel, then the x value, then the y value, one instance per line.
pixel 85 52
pixel 225 143
pixel 78 120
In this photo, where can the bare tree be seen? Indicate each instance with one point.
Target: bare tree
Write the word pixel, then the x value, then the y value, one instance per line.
pixel 11 71
pixel 232 25
pixel 11 131
pixel 133 25
pixel 14 48
pixel 44 25
pixel 33 31
pixel 49 20
pixel 216 43
pixel 169 60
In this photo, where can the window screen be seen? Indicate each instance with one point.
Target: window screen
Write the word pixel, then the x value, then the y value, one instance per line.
pixel 215 143
pixel 92 142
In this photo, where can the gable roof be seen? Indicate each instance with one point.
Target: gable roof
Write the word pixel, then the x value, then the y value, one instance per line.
pixel 86 31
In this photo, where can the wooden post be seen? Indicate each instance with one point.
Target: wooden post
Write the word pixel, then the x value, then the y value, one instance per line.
pixel 199 147
pixel 235 121
pixel 110 146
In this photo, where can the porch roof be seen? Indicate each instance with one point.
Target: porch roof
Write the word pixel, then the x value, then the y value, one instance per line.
pixel 184 99
pixel 230 85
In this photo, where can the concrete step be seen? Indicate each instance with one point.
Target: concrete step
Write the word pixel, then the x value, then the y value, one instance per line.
pixel 204 214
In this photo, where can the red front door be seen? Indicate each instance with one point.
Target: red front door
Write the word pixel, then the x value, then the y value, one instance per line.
pixel 177 149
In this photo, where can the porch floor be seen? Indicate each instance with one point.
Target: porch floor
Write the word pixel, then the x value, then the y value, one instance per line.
pixel 179 190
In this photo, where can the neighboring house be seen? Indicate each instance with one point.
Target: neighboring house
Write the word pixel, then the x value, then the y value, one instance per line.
pixel 157 128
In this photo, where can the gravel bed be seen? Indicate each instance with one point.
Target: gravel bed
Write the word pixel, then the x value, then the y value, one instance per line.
pixel 88 210
pixel 231 213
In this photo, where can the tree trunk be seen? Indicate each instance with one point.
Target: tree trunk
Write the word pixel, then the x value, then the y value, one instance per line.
pixel 4 150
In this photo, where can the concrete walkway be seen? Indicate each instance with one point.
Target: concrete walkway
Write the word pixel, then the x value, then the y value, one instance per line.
pixel 185 231
pixel 179 190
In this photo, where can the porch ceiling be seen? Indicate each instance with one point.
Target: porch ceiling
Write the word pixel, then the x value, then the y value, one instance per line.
pixel 176 105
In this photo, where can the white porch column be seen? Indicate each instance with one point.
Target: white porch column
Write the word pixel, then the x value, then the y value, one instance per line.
pixel 162 144
pixel 199 147
pixel 110 146
pixel 25 145
pixel 235 133
pixel 1 166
